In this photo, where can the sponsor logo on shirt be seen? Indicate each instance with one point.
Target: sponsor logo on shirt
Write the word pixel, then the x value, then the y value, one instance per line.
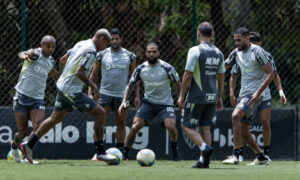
pixel 116 66
pixel 147 83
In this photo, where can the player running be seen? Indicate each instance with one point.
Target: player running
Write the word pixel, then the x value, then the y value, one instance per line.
pixel 30 89
pixel 115 63
pixel 154 74
pixel 205 66
pixel 257 73
pixel 80 61
pixel 265 108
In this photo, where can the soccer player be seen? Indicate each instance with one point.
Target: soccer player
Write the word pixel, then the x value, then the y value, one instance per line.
pixel 30 89
pixel 115 63
pixel 80 61
pixel 265 108
pixel 205 66
pixel 257 73
pixel 157 101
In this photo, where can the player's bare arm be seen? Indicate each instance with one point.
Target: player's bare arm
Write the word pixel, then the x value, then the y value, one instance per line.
pixel 54 74
pixel 26 55
pixel 127 91
pixel 137 100
pixel 80 73
pixel 221 78
pixel 94 77
pixel 232 84
pixel 267 68
pixel 278 85
pixel 62 63
pixel 186 81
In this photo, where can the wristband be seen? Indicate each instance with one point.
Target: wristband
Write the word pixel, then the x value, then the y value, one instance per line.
pixel 281 93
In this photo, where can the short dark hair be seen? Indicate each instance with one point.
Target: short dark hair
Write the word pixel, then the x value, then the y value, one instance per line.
pixel 115 31
pixel 255 37
pixel 205 29
pixel 153 43
pixel 243 31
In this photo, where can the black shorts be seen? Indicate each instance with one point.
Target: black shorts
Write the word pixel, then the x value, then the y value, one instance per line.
pixel 110 101
pixel 245 107
pixel 68 102
pixel 195 115
pixel 25 104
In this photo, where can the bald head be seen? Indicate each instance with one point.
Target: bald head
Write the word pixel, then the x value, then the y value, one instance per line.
pixel 47 39
pixel 101 39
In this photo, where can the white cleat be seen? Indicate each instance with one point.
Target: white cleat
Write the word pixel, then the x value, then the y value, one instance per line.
pixel 258 162
pixel 231 160
pixel 15 154
pixel 24 161
pixel 27 152
pixel 94 158
pixel 268 157
pixel 106 157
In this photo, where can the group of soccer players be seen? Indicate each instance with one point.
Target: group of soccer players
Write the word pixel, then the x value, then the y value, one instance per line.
pixel 203 82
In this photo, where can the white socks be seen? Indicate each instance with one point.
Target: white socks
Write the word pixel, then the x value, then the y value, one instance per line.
pixel 202 146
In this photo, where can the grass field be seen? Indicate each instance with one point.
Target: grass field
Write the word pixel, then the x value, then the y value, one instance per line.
pixel 128 170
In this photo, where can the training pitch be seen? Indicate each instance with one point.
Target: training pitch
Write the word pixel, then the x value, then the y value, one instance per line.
pixel 161 170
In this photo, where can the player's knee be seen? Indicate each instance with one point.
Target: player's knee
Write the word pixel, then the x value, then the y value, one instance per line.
pixel 265 123
pixel 235 117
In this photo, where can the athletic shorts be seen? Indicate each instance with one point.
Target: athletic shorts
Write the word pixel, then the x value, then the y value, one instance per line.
pixel 69 102
pixel 148 111
pixel 245 107
pixel 110 101
pixel 264 105
pixel 195 115
pixel 25 104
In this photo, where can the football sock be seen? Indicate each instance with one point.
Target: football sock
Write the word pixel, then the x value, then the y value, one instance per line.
pixel 99 147
pixel 240 151
pixel 236 152
pixel 260 156
pixel 174 146
pixel 32 141
pixel 201 159
pixel 120 146
pixel 125 152
pixel 202 146
pixel 266 150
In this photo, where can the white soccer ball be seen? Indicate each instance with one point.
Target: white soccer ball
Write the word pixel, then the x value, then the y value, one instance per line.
pixel 10 157
pixel 145 157
pixel 117 153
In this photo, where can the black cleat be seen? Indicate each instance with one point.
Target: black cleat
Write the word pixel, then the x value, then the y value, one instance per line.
pixel 206 156
pixel 198 165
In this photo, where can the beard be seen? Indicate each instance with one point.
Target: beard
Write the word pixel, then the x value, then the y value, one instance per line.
pixel 152 60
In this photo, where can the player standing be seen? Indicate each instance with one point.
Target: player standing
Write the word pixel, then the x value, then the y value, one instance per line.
pixel 80 62
pixel 257 73
pixel 205 66
pixel 30 89
pixel 154 74
pixel 265 108
pixel 115 63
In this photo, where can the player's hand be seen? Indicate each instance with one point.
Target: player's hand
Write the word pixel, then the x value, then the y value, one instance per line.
pixel 25 57
pixel 137 102
pixel 180 101
pixel 233 101
pixel 219 105
pixel 282 97
pixel 254 98
pixel 122 106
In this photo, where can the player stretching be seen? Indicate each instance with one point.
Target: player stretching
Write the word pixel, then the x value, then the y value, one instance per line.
pixel 265 108
pixel 115 63
pixel 155 74
pixel 257 73
pixel 75 74
pixel 205 66
pixel 30 90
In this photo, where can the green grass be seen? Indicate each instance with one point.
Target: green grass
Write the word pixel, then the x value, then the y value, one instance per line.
pixel 162 170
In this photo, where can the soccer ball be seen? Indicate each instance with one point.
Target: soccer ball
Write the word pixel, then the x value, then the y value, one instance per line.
pixel 145 157
pixel 10 156
pixel 117 153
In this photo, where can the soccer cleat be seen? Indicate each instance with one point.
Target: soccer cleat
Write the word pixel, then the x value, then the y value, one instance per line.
pixel 268 157
pixel 106 157
pixel 206 156
pixel 198 165
pixel 258 162
pixel 231 160
pixel 27 152
pixel 15 154
pixel 24 161
pixel 94 158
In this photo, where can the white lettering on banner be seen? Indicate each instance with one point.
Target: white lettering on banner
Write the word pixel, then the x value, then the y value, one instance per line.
pixel 221 138
pixel 5 134
pixel 141 139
